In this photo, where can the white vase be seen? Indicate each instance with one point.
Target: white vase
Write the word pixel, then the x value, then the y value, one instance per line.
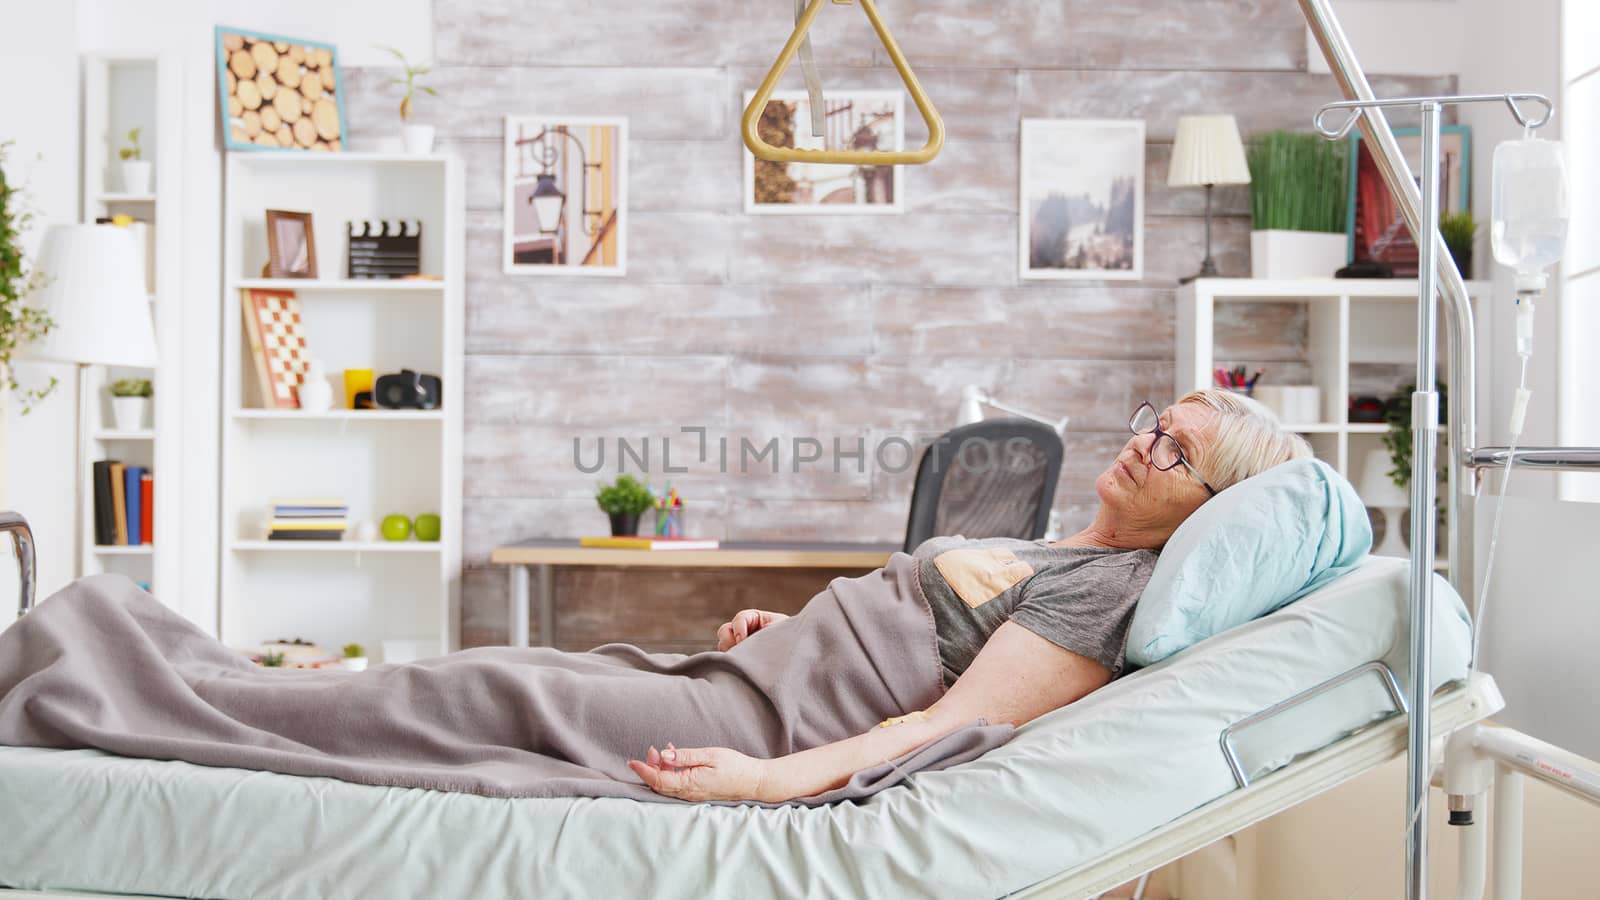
pixel 355 663
pixel 316 394
pixel 128 412
pixel 1296 254
pixel 136 176
pixel 418 139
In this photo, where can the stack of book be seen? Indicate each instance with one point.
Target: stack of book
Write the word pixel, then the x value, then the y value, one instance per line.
pixel 299 519
pixel 124 504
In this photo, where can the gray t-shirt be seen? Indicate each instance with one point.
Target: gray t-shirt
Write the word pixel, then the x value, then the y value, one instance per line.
pixel 1079 598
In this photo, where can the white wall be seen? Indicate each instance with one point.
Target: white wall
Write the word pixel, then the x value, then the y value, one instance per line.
pixel 1580 316
pixel 39 112
pixel 42 53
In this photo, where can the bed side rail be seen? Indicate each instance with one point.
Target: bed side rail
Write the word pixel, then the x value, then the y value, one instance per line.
pixel 22 545
pixel 1381 668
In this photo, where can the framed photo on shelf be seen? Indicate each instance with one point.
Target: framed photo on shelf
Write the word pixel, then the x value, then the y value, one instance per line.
pixel 566 195
pixel 1082 196
pixel 1374 229
pixel 853 120
pixel 279 93
pixel 291 245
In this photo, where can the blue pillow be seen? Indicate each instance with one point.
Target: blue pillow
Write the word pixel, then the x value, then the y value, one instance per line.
pixel 1251 549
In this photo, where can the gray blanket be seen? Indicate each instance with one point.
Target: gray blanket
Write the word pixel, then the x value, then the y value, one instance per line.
pixel 102 664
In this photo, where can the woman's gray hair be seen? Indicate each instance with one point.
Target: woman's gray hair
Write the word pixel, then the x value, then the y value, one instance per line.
pixel 1248 439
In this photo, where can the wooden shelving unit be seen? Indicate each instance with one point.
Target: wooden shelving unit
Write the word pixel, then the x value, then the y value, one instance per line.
pixel 1365 327
pixel 122 92
pixel 380 462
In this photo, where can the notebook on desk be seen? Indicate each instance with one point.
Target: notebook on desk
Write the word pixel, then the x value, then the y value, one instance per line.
pixel 648 542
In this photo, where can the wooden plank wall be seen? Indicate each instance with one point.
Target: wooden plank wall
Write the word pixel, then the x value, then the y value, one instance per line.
pixel 831 326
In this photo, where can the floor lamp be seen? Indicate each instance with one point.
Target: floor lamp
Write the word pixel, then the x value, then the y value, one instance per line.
pixel 94 294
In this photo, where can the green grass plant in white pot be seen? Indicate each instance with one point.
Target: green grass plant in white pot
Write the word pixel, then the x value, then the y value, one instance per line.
pixel 1298 192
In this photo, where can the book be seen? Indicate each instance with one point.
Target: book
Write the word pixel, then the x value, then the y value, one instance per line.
pixel 303 512
pixel 130 477
pixel 147 508
pixel 105 528
pixel 310 502
pixel 308 524
pixel 119 502
pixel 305 535
pixel 276 335
pixel 646 542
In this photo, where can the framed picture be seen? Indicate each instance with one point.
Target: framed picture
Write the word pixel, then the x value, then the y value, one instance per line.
pixel 291 245
pixel 1375 230
pixel 279 93
pixel 853 120
pixel 1082 198
pixel 566 195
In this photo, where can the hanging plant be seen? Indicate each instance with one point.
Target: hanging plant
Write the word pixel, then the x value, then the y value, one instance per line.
pixel 19 324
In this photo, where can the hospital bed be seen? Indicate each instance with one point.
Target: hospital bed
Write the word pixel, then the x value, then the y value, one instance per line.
pixel 1160 763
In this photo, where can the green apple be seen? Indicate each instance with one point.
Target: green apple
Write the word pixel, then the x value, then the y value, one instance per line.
pixel 396 528
pixel 428 527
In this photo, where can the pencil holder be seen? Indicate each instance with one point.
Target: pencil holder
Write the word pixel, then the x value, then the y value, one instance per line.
pixel 669 522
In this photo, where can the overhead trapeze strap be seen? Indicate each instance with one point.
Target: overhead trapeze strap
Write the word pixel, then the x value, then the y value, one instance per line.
pixel 808 68
pixel 748 125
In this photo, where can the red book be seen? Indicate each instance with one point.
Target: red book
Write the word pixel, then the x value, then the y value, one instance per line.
pixel 147 508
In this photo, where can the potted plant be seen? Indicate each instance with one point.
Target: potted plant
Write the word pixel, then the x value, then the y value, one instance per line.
pixel 1298 186
pixel 355 657
pixel 418 138
pixel 135 168
pixel 19 324
pixel 1459 230
pixel 130 397
pixel 623 500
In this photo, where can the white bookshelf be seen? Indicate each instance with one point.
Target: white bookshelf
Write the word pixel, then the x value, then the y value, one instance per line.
pixel 121 92
pixel 379 462
pixel 1353 326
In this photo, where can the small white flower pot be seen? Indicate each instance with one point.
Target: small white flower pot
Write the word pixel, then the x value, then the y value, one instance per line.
pixel 1296 254
pixel 355 663
pixel 418 139
pixel 136 176
pixel 128 412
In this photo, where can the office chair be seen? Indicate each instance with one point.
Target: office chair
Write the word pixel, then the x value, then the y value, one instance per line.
pixel 995 478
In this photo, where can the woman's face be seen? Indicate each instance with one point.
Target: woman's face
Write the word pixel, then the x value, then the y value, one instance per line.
pixel 1141 499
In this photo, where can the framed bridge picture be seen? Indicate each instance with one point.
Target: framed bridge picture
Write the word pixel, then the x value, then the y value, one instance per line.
pixel 852 120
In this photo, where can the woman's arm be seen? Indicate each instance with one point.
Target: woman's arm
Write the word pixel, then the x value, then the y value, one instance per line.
pixel 1017 677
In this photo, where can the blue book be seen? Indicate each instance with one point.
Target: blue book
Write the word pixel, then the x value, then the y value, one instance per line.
pixel 130 477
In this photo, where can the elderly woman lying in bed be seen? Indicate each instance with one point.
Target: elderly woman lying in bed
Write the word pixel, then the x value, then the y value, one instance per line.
pixel 789 709
pixel 1024 627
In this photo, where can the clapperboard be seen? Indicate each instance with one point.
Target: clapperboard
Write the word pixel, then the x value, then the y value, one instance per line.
pixel 383 248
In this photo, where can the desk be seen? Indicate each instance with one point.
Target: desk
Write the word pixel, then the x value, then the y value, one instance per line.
pixel 545 554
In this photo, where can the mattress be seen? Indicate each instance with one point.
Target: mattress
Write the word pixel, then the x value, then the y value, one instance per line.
pixel 1070 786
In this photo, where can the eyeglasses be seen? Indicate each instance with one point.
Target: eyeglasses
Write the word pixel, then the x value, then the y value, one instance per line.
pixel 1165 453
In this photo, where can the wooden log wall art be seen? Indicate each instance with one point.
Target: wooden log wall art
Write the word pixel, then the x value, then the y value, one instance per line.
pixel 279 93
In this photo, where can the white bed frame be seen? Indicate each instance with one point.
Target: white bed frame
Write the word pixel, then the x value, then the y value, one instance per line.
pixel 1477 758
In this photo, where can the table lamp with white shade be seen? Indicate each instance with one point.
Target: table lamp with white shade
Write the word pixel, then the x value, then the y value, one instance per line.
pixel 1207 152
pixel 94 293
pixel 1379 491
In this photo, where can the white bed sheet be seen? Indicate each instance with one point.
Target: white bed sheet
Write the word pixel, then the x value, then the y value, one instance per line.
pixel 1069 787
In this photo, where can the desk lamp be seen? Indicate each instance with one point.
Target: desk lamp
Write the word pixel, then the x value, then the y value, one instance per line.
pixel 1207 152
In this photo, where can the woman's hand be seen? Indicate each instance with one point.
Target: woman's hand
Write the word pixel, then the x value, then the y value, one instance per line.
pixel 705 773
pixel 744 624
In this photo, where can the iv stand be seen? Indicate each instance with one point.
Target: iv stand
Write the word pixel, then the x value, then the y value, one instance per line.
pixel 1424 443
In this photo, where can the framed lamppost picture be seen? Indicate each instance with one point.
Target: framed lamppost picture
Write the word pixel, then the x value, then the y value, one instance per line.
pixel 566 195
pixel 1082 196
